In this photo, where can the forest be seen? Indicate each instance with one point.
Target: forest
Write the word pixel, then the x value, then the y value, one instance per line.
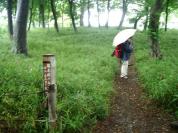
pixel 79 34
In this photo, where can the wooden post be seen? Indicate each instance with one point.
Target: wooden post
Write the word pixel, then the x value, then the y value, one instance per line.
pixel 49 64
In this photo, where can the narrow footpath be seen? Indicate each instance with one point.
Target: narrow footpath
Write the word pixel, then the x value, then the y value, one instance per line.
pixel 132 112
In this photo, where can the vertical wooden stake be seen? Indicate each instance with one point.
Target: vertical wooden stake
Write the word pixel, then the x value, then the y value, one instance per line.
pixel 49 64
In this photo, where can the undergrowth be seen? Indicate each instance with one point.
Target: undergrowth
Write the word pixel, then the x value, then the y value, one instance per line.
pixel 85 72
pixel 159 77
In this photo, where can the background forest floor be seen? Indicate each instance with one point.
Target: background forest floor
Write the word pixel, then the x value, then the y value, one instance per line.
pixel 132 112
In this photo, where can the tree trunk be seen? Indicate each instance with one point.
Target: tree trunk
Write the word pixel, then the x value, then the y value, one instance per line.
pixel 124 10
pixel 54 15
pixel 136 21
pixel 156 10
pixel 88 8
pixel 10 21
pixel 31 14
pixel 82 10
pixel 97 4
pixel 62 16
pixel 41 15
pixel 48 3
pixel 146 20
pixel 71 7
pixel 20 33
pixel 108 10
pixel 167 14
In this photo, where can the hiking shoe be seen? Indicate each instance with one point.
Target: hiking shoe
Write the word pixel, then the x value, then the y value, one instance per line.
pixel 124 77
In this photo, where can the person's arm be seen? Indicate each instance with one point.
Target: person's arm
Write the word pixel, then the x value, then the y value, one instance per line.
pixel 127 47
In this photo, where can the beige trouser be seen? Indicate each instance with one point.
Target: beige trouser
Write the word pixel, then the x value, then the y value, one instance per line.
pixel 124 68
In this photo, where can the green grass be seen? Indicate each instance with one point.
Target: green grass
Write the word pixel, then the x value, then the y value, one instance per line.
pixel 159 77
pixel 85 72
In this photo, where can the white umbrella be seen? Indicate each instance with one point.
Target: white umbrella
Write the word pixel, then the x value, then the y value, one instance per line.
pixel 122 36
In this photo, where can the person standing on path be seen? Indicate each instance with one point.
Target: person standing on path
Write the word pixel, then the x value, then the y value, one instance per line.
pixel 127 49
pixel 123 51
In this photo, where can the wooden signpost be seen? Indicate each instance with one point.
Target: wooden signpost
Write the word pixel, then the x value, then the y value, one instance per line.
pixel 49 70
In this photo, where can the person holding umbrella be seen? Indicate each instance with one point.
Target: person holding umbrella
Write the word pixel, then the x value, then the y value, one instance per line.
pixel 123 49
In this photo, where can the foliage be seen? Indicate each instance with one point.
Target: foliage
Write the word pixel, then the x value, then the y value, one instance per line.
pixel 85 72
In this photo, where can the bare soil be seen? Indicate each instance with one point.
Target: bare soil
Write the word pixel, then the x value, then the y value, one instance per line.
pixel 132 112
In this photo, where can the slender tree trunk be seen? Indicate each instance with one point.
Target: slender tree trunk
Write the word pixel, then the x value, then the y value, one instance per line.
pixel 54 15
pixel 41 15
pixel 82 10
pixel 31 14
pixel 71 7
pixel 88 8
pixel 20 33
pixel 108 11
pixel 136 21
pixel 124 10
pixel 97 4
pixel 146 20
pixel 62 20
pixel 156 10
pixel 48 3
pixel 167 14
pixel 10 21
pixel 63 16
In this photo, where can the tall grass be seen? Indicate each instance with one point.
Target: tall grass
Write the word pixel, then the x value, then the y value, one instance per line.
pixel 85 73
pixel 159 77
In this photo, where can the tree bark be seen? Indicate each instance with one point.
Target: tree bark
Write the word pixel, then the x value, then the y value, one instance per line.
pixel 20 33
pixel 54 15
pixel 156 10
pixel 82 10
pixel 97 4
pixel 10 21
pixel 167 14
pixel 31 15
pixel 136 21
pixel 48 3
pixel 41 15
pixel 88 8
pixel 124 10
pixel 108 11
pixel 71 10
pixel 146 20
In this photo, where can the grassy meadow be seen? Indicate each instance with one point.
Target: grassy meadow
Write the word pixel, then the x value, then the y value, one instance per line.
pixel 85 73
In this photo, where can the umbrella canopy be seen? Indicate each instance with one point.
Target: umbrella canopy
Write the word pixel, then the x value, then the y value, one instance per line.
pixel 122 36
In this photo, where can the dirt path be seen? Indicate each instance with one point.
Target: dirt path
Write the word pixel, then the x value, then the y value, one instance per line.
pixel 131 112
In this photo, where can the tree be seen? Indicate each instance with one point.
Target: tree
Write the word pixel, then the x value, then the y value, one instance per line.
pixel 147 16
pixel 108 11
pixel 20 34
pixel 155 13
pixel 31 14
pixel 9 14
pixel 54 15
pixel 171 5
pixel 124 10
pixel 42 12
pixel 71 11
pixel 137 18
pixel 88 9
pixel 82 10
pixel 98 11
